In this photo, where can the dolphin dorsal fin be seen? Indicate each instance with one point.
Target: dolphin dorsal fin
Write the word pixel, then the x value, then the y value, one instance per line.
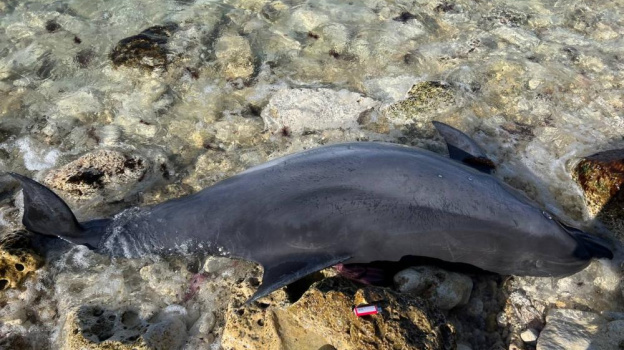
pixel 464 149
pixel 46 213
pixel 282 271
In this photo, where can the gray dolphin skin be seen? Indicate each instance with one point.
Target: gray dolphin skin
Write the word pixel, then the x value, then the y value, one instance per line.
pixel 344 203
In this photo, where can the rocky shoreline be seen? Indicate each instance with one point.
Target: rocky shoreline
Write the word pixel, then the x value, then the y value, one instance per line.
pixel 115 105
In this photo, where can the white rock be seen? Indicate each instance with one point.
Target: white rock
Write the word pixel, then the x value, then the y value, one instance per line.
pixel 450 289
pixel 315 109
pixel 529 336
pixel 463 347
pixel 579 330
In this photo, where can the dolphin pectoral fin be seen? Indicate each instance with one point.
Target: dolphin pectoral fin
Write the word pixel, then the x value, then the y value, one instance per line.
pixel 282 271
pixel 464 149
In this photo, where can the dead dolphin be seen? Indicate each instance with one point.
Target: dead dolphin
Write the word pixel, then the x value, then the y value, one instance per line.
pixel 354 203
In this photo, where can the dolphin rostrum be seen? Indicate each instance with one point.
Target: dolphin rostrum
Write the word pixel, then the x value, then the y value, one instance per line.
pixel 344 203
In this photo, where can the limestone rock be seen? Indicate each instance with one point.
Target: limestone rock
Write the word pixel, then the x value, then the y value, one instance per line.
pixel 17 260
pixel 145 50
pixel 404 323
pixel 323 318
pixel 95 327
pixel 97 172
pixel 443 288
pixel 575 330
pixel 298 110
pixel 234 56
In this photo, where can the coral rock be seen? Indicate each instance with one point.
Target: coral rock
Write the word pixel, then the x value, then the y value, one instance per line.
pixel 17 260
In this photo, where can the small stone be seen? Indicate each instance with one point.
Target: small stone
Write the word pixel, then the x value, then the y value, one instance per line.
pixel 529 336
pixel 167 334
pixel 463 347
pixel 145 50
pixel 445 289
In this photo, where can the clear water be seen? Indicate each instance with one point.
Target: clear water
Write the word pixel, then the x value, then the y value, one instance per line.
pixel 536 84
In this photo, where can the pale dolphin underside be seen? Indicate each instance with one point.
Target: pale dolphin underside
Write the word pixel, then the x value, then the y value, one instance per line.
pixel 344 203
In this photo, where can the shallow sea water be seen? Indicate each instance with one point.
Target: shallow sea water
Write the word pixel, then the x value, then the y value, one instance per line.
pixel 538 85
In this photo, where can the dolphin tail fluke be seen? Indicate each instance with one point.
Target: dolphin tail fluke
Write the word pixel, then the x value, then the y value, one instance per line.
pixel 592 246
pixel 46 213
pixel 282 271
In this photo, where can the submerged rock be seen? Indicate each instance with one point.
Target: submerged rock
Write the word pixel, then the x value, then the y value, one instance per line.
pixel 601 176
pixel 234 56
pixel 97 172
pixel 445 289
pixel 423 97
pixel 299 110
pixel 17 260
pixel 323 318
pixel 147 49
pixel 573 329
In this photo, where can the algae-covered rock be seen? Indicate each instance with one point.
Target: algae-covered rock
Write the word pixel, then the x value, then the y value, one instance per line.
pixel 323 318
pixel 97 172
pixel 423 97
pixel 601 176
pixel 17 260
pixel 145 50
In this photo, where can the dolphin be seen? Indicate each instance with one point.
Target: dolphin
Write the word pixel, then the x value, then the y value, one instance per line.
pixel 344 203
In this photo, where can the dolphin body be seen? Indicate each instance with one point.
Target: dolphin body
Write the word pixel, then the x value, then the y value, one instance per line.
pixel 345 203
